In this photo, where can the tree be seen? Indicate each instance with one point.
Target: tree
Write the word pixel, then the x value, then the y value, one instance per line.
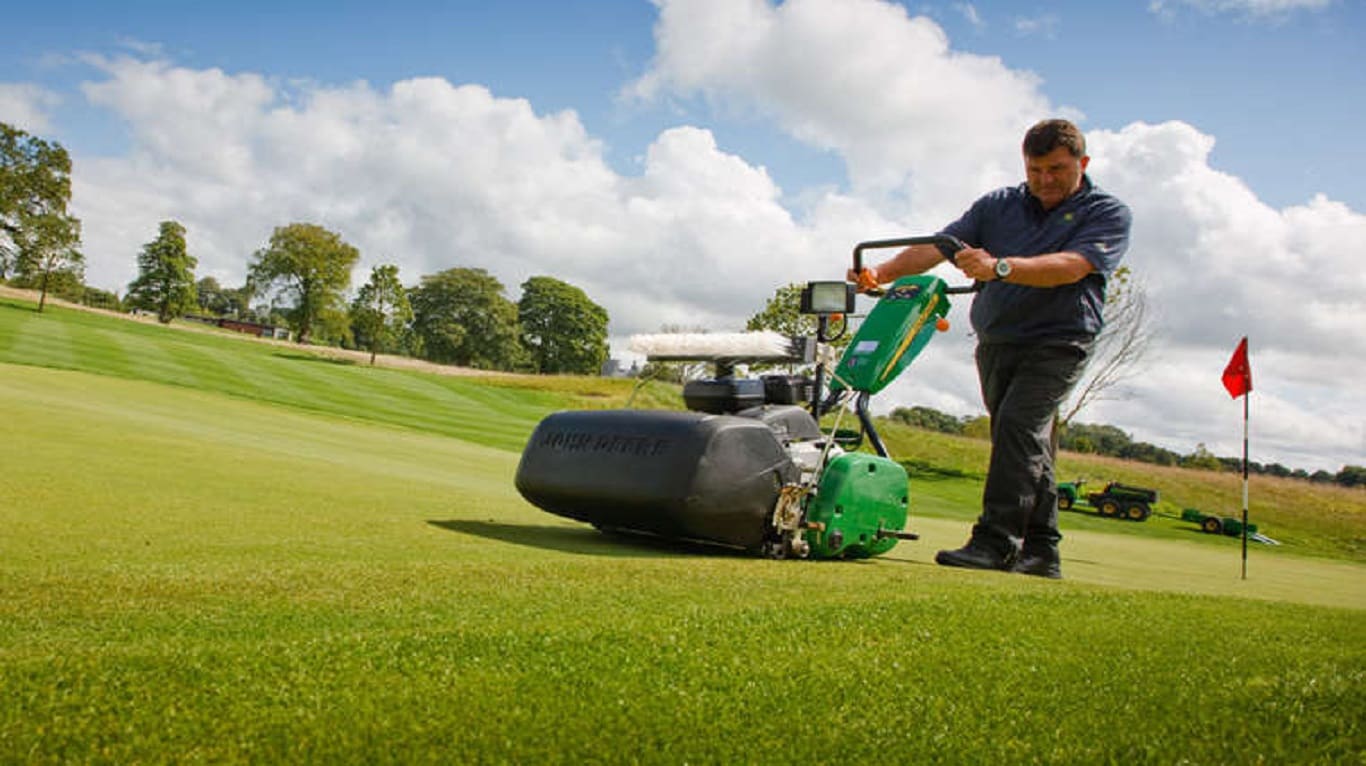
pixel 381 311
pixel 928 418
pixel 38 238
pixel 1352 476
pixel 222 301
pixel 463 318
pixel 1202 459
pixel 562 330
pixel 1119 349
pixel 782 314
pixel 165 281
pixel 307 266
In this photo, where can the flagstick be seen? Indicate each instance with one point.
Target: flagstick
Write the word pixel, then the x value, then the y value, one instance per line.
pixel 1246 396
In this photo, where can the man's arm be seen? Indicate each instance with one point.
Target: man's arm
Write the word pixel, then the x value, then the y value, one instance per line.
pixel 1044 270
pixel 916 259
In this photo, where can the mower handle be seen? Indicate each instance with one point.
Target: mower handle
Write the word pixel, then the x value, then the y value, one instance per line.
pixel 948 247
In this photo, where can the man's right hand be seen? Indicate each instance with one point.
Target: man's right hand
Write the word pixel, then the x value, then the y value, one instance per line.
pixel 866 279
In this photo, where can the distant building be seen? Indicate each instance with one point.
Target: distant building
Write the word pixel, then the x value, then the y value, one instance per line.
pixel 243 326
pixel 612 369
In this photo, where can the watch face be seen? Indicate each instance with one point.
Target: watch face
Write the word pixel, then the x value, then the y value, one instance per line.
pixel 1002 268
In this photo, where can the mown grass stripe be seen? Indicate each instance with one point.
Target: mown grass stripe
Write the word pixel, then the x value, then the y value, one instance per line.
pixel 44 341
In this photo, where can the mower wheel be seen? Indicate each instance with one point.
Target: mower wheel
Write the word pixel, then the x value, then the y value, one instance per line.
pixel 1108 508
pixel 1064 503
pixel 1137 511
pixel 1212 525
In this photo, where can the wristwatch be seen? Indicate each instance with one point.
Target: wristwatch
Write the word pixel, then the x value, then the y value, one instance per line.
pixel 1002 268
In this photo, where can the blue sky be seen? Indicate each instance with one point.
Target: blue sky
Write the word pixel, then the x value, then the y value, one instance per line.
pixel 681 159
pixel 1283 92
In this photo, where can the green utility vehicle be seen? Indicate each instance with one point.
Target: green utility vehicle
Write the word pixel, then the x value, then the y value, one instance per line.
pixel 1116 501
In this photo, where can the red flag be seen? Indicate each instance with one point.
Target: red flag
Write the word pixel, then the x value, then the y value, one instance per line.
pixel 1238 373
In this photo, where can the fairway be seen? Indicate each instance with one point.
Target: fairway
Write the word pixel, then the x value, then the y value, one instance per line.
pixel 191 574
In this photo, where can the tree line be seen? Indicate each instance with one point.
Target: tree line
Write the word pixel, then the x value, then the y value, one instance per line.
pixel 458 316
pixel 300 279
pixel 1113 442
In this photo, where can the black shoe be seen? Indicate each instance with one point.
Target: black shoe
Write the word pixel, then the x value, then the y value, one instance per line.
pixel 1040 565
pixel 972 556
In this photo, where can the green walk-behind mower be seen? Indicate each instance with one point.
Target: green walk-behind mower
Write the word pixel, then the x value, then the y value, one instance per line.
pixel 748 466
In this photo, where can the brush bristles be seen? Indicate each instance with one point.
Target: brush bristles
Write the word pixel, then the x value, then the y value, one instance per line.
pixel 738 346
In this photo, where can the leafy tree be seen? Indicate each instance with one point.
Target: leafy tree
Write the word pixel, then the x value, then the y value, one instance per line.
pixel 165 281
pixel 929 419
pixel 1102 439
pixel 1352 476
pixel 234 303
pixel 308 267
pixel 1322 477
pixel 463 318
pixel 381 311
pixel 782 314
pixel 1202 459
pixel 101 299
pixel 562 329
pixel 38 237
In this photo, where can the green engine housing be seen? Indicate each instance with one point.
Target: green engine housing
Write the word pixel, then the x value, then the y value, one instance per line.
pixel 859 496
pixel 895 331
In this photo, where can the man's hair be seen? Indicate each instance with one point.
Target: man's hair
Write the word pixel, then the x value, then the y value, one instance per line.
pixel 1047 135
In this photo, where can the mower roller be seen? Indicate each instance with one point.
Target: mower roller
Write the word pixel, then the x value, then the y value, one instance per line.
pixel 748 466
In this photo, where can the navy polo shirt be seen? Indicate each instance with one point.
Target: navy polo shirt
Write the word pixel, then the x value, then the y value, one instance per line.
pixel 1011 222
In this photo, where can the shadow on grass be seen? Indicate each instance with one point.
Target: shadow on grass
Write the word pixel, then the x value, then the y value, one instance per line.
pixel 584 540
pixel 295 356
pixel 923 470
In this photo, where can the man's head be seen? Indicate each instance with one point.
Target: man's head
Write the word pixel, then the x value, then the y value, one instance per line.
pixel 1055 159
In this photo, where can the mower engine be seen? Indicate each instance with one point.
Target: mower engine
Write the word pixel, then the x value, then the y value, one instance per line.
pixel 748 466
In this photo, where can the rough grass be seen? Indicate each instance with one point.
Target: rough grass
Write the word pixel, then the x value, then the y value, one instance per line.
pixel 205 575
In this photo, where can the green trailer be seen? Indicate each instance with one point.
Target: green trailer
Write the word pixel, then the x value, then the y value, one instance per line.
pixel 1223 525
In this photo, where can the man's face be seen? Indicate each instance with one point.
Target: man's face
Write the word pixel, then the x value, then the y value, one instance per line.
pixel 1054 176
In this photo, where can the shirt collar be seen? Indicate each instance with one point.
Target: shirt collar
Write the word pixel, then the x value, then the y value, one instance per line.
pixel 1077 196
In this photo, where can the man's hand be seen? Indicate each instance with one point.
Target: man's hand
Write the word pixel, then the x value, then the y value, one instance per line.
pixel 866 279
pixel 976 264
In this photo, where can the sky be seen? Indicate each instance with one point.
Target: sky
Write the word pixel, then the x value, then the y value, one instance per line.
pixel 680 160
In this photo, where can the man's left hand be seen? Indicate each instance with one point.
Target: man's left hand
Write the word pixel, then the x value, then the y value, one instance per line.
pixel 976 264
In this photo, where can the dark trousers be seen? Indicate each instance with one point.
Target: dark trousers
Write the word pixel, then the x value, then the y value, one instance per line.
pixel 1023 386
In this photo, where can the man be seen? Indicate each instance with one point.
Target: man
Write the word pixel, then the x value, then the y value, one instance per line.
pixel 1044 250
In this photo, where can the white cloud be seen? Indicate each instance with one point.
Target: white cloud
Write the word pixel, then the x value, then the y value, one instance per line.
pixel 432 175
pixel 1256 9
pixel 27 106
pixel 1045 26
pixel 911 117
pixel 970 14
